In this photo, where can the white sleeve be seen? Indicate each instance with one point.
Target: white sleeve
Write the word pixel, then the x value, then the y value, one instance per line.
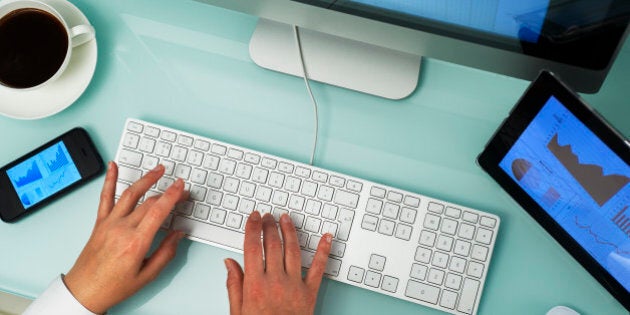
pixel 56 300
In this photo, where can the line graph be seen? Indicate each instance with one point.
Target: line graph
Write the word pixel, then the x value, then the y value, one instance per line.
pixel 58 161
pixel 599 239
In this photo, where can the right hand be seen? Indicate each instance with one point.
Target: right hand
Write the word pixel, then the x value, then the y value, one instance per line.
pixel 274 286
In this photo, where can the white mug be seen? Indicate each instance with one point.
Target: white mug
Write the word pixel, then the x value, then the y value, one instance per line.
pixel 77 34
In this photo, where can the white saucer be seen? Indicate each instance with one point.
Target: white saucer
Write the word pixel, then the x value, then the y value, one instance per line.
pixel 58 95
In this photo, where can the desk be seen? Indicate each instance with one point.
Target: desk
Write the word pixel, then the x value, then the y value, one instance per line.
pixel 186 65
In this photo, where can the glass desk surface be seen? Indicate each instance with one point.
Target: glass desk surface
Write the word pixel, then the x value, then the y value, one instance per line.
pixel 186 65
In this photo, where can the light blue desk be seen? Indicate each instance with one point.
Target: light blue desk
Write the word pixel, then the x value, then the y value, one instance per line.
pixel 184 64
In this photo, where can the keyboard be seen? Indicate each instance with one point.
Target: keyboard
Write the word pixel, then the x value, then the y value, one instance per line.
pixel 398 243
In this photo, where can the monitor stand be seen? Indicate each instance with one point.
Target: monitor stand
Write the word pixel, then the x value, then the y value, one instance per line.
pixel 334 60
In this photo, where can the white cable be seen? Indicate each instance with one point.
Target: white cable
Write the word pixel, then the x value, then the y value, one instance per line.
pixel 308 88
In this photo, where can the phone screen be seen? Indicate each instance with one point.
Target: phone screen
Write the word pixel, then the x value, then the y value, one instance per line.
pixel 43 174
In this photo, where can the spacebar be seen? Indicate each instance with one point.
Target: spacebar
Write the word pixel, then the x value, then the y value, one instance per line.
pixel 209 232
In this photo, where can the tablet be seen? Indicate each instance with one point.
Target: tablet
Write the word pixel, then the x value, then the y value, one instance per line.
pixel 570 170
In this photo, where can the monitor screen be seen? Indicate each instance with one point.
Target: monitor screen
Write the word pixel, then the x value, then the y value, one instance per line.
pixel 579 181
pixel 44 174
pixel 559 30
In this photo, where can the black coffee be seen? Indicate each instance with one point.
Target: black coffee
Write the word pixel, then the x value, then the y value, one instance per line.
pixel 33 46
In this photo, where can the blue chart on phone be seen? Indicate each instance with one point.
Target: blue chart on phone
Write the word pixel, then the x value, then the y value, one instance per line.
pixel 44 174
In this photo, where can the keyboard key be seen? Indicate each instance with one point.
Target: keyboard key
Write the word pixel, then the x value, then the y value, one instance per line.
pixel 377 262
pixel 346 199
pixel 234 220
pixel 453 212
pixel 448 299
pixel 479 252
pixel 131 140
pixel 408 215
pixel 202 145
pixel 202 212
pixel 412 201
pixel 152 131
pixel 372 279
pixel 470 217
pixel 435 207
pixel 130 158
pixel 337 248
pixel 453 281
pixel 252 158
pixel 127 174
pixel 355 274
pixel 374 206
pixel 403 231
pixel 435 276
pixel 235 154
pixel 209 232
pixel 394 196
pixel 418 271
pixel 134 126
pixel 377 192
pixel 285 167
pixel 169 136
pixel 218 149
pixel 468 296
pixel 484 236
pixel 389 284
pixel 345 219
pixel 146 145
pixel 427 238
pixel 489 222
pixel 431 222
pixel 354 186
pixel 422 292
pixel 369 222
pixel 423 255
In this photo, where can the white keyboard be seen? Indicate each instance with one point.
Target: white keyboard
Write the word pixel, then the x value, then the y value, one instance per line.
pixel 402 244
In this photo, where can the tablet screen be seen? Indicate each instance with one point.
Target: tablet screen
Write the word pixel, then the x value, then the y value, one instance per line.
pixel 579 181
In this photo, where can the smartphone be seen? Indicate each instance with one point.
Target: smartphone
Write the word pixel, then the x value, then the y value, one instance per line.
pixel 48 172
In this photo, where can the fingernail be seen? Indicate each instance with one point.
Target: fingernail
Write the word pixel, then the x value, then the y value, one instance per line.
pixel 328 238
pixel 158 168
pixel 255 216
pixel 285 218
pixel 228 265
pixel 179 183
pixel 110 164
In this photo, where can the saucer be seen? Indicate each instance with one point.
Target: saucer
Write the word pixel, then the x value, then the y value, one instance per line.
pixel 61 93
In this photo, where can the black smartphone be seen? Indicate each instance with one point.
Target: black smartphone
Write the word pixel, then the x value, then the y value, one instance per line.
pixel 48 172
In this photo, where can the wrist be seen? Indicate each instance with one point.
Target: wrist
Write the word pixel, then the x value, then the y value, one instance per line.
pixel 81 293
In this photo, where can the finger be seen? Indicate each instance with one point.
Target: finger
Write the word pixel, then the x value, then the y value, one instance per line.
pixel 316 272
pixel 274 261
pixel 252 248
pixel 292 256
pixel 154 216
pixel 137 215
pixel 234 286
pixel 107 193
pixel 161 257
pixel 141 211
pixel 131 195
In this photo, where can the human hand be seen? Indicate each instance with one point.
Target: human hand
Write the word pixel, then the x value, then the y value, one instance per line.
pixel 113 264
pixel 274 286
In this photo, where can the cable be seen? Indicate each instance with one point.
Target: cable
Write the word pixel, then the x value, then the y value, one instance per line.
pixel 296 35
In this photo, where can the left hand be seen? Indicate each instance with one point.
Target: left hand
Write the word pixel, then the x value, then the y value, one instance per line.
pixel 113 265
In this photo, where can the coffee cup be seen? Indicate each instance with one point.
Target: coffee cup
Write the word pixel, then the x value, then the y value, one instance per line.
pixel 36 43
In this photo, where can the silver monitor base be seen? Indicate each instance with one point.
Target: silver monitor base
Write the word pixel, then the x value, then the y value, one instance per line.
pixel 334 60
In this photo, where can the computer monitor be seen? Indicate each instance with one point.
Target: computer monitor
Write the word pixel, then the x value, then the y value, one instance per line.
pixel 576 39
